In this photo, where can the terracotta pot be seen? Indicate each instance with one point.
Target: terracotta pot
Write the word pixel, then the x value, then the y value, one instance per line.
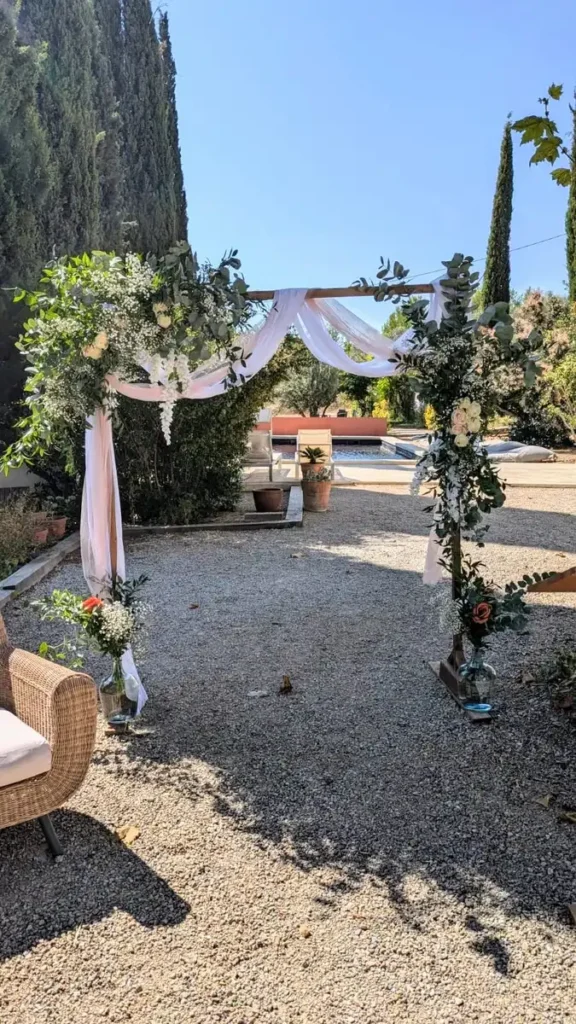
pixel 40 535
pixel 39 518
pixel 57 527
pixel 268 499
pixel 316 494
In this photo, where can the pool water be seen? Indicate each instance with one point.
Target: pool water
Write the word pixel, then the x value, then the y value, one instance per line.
pixel 351 452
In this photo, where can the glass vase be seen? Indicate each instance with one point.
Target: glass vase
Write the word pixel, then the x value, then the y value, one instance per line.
pixel 475 682
pixel 118 709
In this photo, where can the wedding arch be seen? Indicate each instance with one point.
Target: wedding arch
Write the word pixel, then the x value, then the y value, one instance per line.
pixel 170 329
pixel 310 311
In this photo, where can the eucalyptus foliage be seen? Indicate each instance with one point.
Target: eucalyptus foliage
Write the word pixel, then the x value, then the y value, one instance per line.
pixel 453 365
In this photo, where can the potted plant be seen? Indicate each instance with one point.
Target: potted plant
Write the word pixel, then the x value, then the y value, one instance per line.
pixel 268 499
pixel 316 480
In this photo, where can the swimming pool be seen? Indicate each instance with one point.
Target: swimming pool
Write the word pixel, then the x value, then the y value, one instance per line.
pixel 347 452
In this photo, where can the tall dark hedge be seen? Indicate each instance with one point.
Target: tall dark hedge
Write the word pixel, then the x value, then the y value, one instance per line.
pixel 26 171
pixel 68 111
pixel 169 69
pixel 150 202
pixel 496 286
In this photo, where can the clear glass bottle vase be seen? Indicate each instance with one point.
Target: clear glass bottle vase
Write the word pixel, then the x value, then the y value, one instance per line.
pixel 475 682
pixel 118 709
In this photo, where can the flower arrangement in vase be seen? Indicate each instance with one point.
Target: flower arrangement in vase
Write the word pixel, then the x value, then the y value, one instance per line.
pixel 108 625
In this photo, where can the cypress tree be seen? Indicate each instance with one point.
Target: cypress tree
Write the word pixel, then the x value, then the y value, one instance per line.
pixel 496 287
pixel 169 68
pixel 571 221
pixel 25 180
pixel 107 56
pixel 67 107
pixel 150 204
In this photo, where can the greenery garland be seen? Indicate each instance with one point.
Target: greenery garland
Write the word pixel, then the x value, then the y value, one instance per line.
pixel 453 366
pixel 139 319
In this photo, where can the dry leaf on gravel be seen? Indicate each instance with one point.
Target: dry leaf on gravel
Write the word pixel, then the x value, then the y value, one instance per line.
pixel 286 685
pixel 305 931
pixel 569 816
pixel 127 834
pixel 193 607
pixel 545 801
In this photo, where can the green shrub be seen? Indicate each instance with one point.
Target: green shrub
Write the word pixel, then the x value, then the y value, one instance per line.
pixel 541 425
pixel 196 476
pixel 16 534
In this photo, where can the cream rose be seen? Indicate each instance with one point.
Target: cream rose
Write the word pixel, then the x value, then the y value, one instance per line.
pixel 461 440
pixel 92 352
pixel 101 340
pixel 474 424
pixel 458 422
pixel 160 307
pixel 163 321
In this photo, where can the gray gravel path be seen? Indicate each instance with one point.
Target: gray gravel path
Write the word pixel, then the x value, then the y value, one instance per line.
pixel 355 852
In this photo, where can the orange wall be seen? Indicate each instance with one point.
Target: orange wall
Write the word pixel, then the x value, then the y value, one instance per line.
pixel 342 426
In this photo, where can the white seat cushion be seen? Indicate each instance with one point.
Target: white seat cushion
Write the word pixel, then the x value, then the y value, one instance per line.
pixel 24 753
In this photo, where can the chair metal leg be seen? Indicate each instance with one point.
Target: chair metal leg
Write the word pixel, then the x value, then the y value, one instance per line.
pixel 56 848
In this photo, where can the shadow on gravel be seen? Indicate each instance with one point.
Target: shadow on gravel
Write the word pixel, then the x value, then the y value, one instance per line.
pixel 368 768
pixel 40 899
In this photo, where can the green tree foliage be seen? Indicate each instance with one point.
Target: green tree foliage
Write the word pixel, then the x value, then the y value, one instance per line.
pixel 150 202
pixel 311 389
pixel 169 69
pixel 398 391
pixel 25 181
pixel 496 287
pixel 360 390
pixel 107 59
pixel 67 106
pixel 541 132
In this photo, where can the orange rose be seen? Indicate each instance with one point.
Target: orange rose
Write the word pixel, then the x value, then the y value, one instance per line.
pixel 481 613
pixel 91 603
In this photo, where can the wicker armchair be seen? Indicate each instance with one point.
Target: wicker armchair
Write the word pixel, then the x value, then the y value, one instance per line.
pixel 60 705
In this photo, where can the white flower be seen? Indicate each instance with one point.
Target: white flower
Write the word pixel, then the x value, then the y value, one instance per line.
pixel 461 440
pixel 474 424
pixel 164 321
pixel 160 307
pixel 166 416
pixel 155 371
pixel 92 352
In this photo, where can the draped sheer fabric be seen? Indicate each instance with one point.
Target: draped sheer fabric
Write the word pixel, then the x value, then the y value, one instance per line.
pixel 101 542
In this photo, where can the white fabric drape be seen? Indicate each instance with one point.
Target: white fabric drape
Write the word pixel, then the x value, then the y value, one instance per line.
pixel 101 551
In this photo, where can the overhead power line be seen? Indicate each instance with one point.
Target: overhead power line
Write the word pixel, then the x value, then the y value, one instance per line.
pixel 517 248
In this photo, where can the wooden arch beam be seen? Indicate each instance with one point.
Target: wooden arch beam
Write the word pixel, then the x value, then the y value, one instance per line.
pixel 350 292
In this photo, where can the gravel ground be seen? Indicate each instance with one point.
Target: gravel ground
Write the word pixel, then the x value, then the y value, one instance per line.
pixel 355 852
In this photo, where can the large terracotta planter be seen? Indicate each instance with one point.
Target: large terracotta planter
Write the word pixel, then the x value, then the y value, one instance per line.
pixel 56 527
pixel 316 494
pixel 40 535
pixel 269 499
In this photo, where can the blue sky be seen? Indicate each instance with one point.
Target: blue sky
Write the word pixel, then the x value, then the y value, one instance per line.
pixel 318 135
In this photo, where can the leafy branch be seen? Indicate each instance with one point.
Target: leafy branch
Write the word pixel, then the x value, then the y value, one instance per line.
pixel 542 132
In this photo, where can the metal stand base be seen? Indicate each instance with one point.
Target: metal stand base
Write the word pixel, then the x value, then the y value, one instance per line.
pixel 50 836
